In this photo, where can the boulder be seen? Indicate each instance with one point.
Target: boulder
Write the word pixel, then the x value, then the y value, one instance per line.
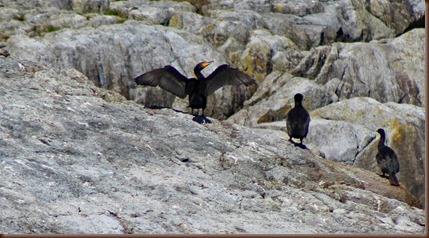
pixel 151 12
pixel 41 4
pixel 87 6
pixel 296 7
pixel 383 71
pixel 274 98
pixel 241 36
pixel 404 125
pixel 338 140
pixel 266 52
pixel 312 23
pixel 113 60
pixel 99 39
pixel 398 15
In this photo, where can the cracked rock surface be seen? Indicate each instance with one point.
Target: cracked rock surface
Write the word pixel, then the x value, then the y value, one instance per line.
pixel 80 152
pixel 79 159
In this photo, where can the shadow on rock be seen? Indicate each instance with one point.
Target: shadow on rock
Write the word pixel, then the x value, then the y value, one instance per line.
pixel 302 146
pixel 157 107
pixel 201 120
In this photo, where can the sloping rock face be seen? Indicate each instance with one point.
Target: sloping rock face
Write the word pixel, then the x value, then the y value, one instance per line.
pixel 113 62
pixel 257 37
pixel 76 158
pixel 406 134
pixel 345 132
pixel 391 72
pixel 67 84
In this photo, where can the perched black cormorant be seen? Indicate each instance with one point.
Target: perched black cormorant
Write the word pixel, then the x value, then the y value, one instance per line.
pixel 168 78
pixel 297 120
pixel 387 159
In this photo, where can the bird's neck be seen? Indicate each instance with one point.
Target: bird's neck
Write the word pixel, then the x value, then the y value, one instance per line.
pixel 198 74
pixel 381 141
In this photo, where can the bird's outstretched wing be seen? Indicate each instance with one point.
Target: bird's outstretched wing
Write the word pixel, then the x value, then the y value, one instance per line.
pixel 168 78
pixel 226 75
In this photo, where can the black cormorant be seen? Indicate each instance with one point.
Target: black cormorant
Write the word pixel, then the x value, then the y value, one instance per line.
pixel 297 120
pixel 387 159
pixel 168 78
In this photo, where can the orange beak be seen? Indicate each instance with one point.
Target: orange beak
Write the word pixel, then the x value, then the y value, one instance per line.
pixel 206 63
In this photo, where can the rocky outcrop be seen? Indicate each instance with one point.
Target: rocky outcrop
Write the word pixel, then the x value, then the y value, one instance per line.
pixel 313 23
pixel 345 131
pixel 359 65
pixel 76 158
pixel 257 37
pixel 384 71
pixel 274 98
pixel 124 54
pixel 403 123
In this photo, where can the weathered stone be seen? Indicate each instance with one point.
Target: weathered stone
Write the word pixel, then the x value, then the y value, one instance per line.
pixel 274 98
pixel 398 120
pixel 377 70
pixel 113 62
pixel 312 23
pixel 266 52
pixel 96 20
pixel 88 6
pixel 296 7
pixel 152 12
pixel 258 52
pixel 41 4
pixel 72 162
pixel 337 140
pixel 71 153
pixel 325 22
pixel 394 15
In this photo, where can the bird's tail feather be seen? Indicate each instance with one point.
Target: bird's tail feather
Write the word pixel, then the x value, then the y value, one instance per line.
pixel 393 179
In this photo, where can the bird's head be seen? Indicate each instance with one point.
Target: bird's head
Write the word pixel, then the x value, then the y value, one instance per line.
pixel 298 97
pixel 202 65
pixel 381 131
pixel 199 67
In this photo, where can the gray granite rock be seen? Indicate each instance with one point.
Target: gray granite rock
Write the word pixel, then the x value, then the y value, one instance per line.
pixel 383 71
pixel 75 158
pixel 405 128
pixel 274 98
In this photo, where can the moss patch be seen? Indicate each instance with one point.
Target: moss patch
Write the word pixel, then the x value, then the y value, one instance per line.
pixel 42 29
pixel 53 29
pixel 112 13
pixel 397 129
pixel 4 38
pixel 175 21
pixel 275 115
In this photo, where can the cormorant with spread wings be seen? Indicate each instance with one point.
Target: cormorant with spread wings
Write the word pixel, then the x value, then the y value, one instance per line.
pixel 171 80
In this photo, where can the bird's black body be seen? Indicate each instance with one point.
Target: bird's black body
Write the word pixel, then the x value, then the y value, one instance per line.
pixel 199 88
pixel 196 90
pixel 387 159
pixel 297 120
